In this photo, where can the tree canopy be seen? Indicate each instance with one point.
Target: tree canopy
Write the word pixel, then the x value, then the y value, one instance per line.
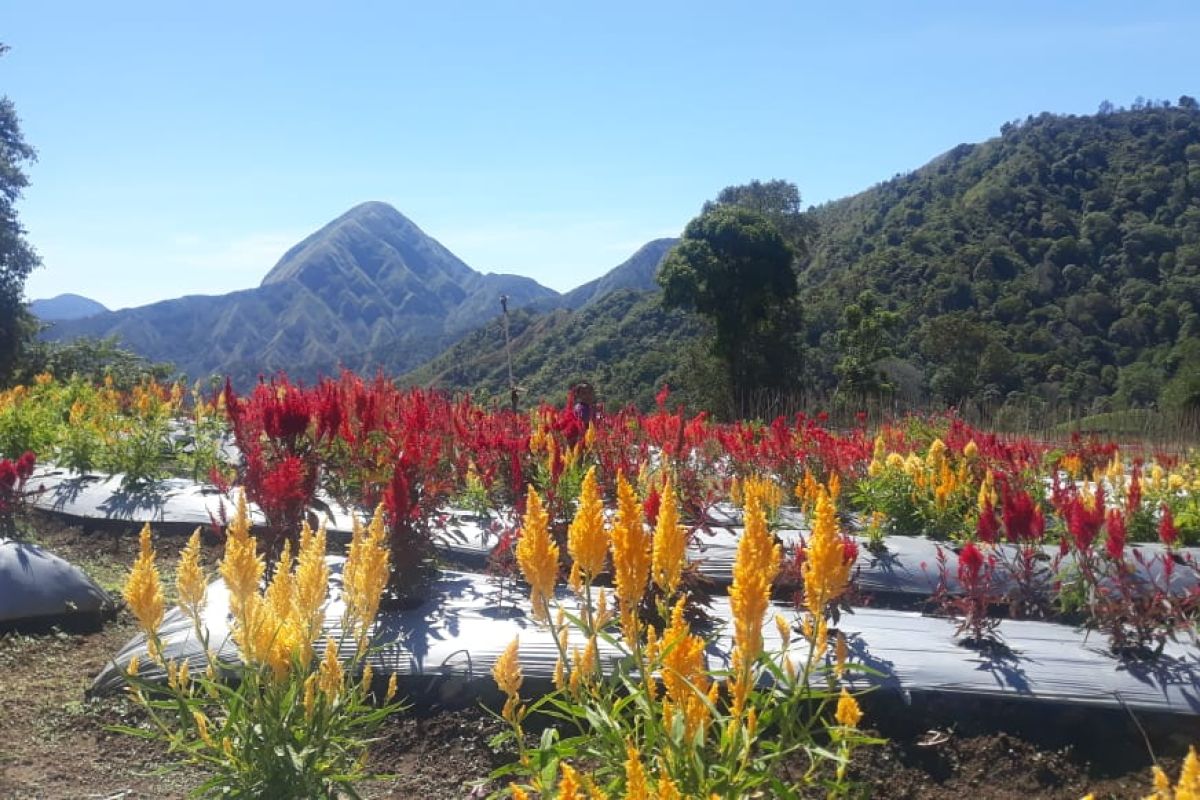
pixel 17 258
pixel 734 267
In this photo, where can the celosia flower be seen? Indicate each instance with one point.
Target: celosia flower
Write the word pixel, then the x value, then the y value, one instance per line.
pixel 848 712
pixel 568 784
pixel 754 569
pixel 635 774
pixel 365 575
pixel 312 585
pixel 143 591
pixel 587 542
pixel 631 556
pixel 826 570
pixel 1188 787
pixel 189 578
pixel 241 567
pixel 1114 542
pixel 507 674
pixel 685 672
pixel 330 673
pixel 537 554
pixel 670 539
pixel 1167 532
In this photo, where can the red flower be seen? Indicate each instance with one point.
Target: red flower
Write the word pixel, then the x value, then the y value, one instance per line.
pixel 1167 531
pixel 8 475
pixel 1114 544
pixel 970 562
pixel 987 529
pixel 849 550
pixel 25 465
pixel 651 505
pixel 1023 521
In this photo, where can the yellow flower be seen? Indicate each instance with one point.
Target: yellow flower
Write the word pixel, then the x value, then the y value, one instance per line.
pixel 840 653
pixel 635 775
pixel 189 578
pixel 365 575
pixel 848 713
pixel 518 793
pixel 241 567
pixel 202 727
pixel 310 694
pixel 826 572
pixel 586 539
pixel 330 673
pixel 1188 787
pixel 971 449
pixel 631 556
pixel 143 591
pixel 537 555
pixel 390 694
pixel 568 784
pixel 685 672
pixel 667 790
pixel 754 569
pixel 670 540
pixel 507 674
pixel 311 588
pixel 895 461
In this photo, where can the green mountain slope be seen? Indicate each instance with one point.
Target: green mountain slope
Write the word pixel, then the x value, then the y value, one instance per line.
pixel 1058 263
pixel 624 343
pixel 1056 266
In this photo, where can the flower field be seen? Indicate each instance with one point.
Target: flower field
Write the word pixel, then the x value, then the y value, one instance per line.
pixel 698 595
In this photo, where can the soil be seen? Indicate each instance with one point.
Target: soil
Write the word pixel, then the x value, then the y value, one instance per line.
pixel 54 742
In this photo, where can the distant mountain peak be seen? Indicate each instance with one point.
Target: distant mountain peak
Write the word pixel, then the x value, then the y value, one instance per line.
pixel 65 306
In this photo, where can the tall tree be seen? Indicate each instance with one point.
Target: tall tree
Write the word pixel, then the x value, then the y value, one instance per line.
pixel 17 258
pixel 865 339
pixel 734 267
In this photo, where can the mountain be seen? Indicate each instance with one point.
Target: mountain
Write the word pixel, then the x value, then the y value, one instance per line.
pixel 1055 266
pixel 623 342
pixel 369 283
pixel 1052 269
pixel 65 306
pixel 637 273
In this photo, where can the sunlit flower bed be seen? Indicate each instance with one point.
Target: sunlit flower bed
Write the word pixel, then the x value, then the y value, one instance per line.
pixel 1026 529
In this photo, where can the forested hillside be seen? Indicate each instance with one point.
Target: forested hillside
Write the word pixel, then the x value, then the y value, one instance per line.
pixel 1057 264
pixel 1054 268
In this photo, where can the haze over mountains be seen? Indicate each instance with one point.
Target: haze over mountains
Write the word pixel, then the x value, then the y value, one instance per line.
pixel 368 291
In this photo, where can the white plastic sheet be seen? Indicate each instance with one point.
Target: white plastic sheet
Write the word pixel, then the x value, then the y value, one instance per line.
pixel 457 635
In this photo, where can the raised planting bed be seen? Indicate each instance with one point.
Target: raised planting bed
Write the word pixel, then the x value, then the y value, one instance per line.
pixel 447 646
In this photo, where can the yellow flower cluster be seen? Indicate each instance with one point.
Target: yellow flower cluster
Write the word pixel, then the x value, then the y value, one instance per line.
pixel 587 541
pixel 507 674
pixel 1188 787
pixel 631 556
pixel 365 575
pixel 537 554
pixel 685 676
pixel 143 591
pixel 826 571
pixel 670 540
pixel 755 567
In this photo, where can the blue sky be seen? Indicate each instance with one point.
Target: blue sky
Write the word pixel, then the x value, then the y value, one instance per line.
pixel 184 147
